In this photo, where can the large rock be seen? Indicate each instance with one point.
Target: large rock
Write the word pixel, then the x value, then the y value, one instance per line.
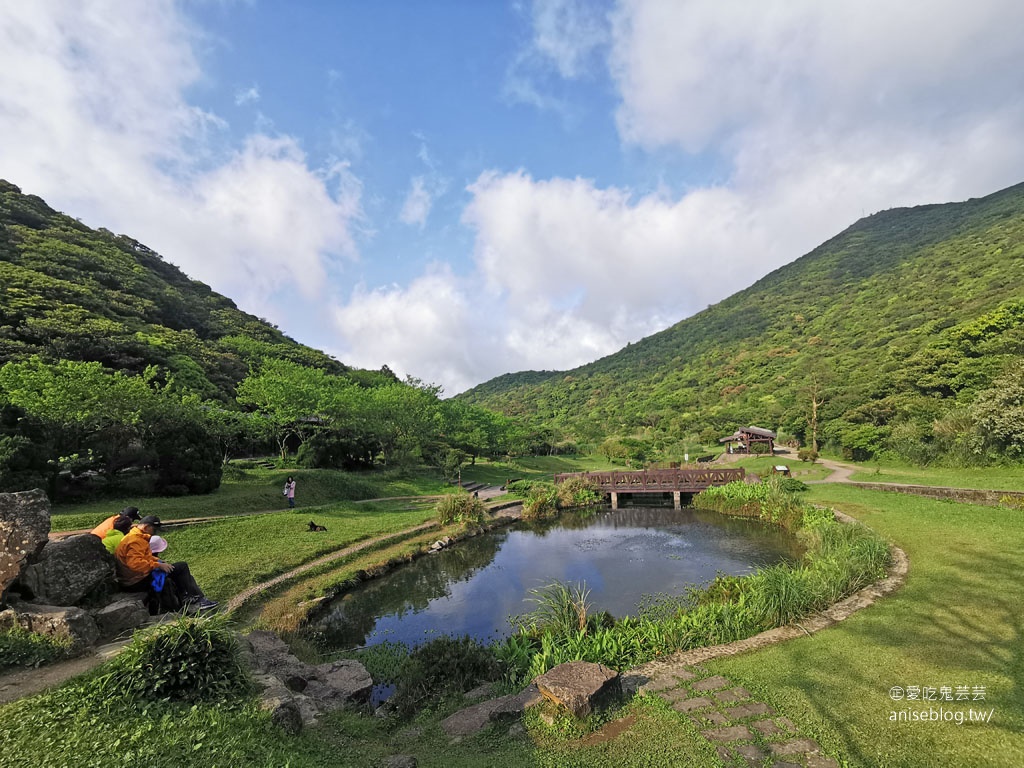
pixel 348 679
pixel 24 529
pixel 580 686
pixel 120 617
pixel 472 720
pixel 313 689
pixel 59 621
pixel 67 570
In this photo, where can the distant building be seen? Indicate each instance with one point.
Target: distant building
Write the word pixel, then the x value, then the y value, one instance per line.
pixel 744 439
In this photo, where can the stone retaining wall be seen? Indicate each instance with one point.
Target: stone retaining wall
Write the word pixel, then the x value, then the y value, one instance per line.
pixel 963 495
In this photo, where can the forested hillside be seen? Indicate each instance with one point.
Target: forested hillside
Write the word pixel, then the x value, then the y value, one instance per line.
pixel 906 330
pixel 119 373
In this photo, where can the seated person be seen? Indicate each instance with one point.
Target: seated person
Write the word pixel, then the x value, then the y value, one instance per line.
pixel 113 537
pixel 101 530
pixel 136 564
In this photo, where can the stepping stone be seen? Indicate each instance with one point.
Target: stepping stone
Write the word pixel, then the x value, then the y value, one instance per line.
pixel 727 696
pixel 796 747
pixel 766 727
pixel 711 718
pixel 711 684
pixel 724 754
pixel 676 694
pixel 689 705
pixel 662 683
pixel 786 723
pixel 820 761
pixel 753 754
pixel 683 673
pixel 749 710
pixel 785 764
pixel 732 733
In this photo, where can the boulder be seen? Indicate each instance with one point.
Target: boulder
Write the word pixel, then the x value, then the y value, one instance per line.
pixel 580 686
pixel 59 621
pixel 24 530
pixel 348 678
pixel 314 689
pixel 472 720
pixel 120 617
pixel 280 703
pixel 67 571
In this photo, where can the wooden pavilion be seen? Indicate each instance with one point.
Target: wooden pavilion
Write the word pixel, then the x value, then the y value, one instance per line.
pixel 744 439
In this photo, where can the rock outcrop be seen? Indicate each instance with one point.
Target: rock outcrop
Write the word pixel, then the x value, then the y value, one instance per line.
pixel 67 571
pixel 580 686
pixel 296 693
pixel 24 530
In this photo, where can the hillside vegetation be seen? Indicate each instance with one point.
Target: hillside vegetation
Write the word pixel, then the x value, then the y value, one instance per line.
pixel 121 375
pixel 907 330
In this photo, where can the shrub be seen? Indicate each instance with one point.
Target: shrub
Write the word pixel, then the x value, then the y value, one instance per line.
pixel 21 648
pixel 541 502
pixel 577 492
pixel 807 454
pixel 191 659
pixel 460 507
pixel 443 667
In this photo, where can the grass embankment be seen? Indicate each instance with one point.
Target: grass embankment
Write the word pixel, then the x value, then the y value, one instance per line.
pixel 984 478
pixel 532 468
pixel 244 491
pixel 957 622
pixel 226 556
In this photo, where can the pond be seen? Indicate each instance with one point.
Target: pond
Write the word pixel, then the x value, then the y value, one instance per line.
pixel 475 586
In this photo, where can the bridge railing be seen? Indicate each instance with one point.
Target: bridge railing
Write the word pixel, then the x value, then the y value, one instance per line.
pixel 658 480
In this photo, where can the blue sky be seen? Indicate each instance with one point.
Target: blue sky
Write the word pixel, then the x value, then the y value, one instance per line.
pixel 459 189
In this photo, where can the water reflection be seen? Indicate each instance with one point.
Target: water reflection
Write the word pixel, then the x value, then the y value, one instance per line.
pixel 474 587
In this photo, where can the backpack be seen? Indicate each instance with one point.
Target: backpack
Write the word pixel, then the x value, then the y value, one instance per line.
pixel 163 595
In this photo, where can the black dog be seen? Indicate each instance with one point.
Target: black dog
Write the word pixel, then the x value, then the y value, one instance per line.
pixel 314 527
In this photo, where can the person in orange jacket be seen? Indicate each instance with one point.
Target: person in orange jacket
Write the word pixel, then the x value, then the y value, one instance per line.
pixel 136 565
pixel 101 530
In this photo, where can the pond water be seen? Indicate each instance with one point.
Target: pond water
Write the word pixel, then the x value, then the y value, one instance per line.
pixel 475 586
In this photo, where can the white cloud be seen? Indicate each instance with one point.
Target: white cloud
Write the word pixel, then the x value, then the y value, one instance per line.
pixel 95 120
pixel 568 32
pixel 425 329
pixel 248 95
pixel 417 203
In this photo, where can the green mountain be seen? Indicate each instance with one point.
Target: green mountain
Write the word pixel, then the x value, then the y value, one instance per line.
pixel 899 328
pixel 68 292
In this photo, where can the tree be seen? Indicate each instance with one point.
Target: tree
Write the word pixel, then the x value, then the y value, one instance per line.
pixel 999 412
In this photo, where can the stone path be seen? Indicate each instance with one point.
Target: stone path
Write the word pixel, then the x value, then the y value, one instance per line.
pixel 746 732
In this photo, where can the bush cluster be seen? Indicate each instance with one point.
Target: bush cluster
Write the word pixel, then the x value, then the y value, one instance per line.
pixel 461 507
pixel 21 648
pixel 444 667
pixel 191 659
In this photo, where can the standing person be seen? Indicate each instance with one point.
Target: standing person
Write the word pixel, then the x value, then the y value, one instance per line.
pixel 101 530
pixel 289 491
pixel 137 565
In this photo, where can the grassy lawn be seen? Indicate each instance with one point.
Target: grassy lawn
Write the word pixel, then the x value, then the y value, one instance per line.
pixel 958 621
pixel 257 490
pixel 226 556
pixel 532 467
pixel 986 478
pixel 801 470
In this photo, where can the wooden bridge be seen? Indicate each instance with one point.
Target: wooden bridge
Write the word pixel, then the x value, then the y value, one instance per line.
pixel 663 481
